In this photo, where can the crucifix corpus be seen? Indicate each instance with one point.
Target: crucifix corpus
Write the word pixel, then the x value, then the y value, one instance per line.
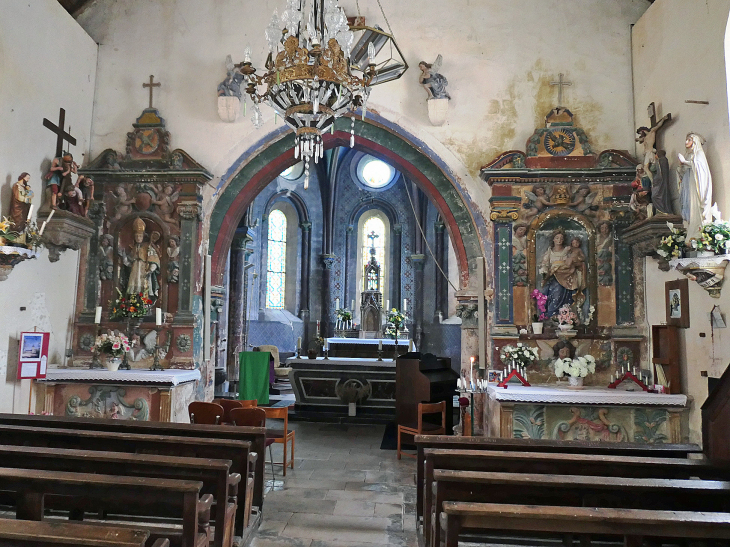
pixel 61 135
pixel 561 83
pixel 152 85
pixel 648 135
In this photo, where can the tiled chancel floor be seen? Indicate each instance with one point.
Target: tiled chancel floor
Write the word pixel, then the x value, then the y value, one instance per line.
pixel 343 491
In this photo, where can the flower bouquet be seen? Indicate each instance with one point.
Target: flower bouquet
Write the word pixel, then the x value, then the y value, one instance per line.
pixel 114 344
pixel 518 356
pixel 575 369
pixel 344 319
pixel 133 305
pixel 671 246
pixel 396 319
pixel 566 317
pixel 6 234
pixel 715 236
pixel 541 303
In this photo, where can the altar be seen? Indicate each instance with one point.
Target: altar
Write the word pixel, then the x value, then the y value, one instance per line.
pixel 144 395
pixel 324 388
pixel 591 414
pixel 367 347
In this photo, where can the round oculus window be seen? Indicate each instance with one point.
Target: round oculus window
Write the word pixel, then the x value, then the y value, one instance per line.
pixel 375 173
pixel 293 172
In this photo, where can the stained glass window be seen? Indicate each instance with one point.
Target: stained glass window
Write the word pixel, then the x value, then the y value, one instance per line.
pixel 276 269
pixel 374 226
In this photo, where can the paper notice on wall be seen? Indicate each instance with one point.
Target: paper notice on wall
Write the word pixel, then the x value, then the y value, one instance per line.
pixel 44 361
pixel 28 370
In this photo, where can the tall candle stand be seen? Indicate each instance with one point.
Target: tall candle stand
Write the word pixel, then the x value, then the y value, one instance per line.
pixel 395 346
pixel 380 352
pixel 125 361
pixel 95 362
pixel 156 360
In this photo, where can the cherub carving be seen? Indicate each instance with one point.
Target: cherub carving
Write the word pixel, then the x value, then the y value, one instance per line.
pixel 582 200
pixel 537 202
pixel 122 203
pixel 165 202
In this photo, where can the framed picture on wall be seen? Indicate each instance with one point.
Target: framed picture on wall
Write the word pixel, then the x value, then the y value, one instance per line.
pixel 676 294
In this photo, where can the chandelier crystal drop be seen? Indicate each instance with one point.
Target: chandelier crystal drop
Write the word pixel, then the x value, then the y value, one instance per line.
pixel 308 79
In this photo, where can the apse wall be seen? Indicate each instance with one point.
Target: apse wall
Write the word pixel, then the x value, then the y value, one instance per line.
pixel 679 55
pixel 499 58
pixel 48 62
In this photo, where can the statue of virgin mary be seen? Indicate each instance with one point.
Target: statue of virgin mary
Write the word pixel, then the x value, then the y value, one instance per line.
pixel 560 272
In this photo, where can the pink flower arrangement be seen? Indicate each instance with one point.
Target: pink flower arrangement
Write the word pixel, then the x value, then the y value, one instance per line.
pixel 566 316
pixel 541 302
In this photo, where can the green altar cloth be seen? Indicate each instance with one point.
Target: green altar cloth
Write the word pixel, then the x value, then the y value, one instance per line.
pixel 253 380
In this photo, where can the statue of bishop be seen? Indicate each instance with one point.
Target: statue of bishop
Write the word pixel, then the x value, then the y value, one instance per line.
pixel 143 263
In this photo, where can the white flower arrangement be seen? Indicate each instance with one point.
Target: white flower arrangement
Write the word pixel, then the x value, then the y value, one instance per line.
pixel 577 367
pixel 520 355
pixel 115 344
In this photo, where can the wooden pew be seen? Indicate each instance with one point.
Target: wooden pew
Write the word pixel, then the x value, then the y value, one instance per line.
pixel 575 491
pixel 564 464
pixel 535 445
pixel 255 435
pixel 632 524
pixel 28 533
pixel 214 474
pixel 126 495
pixel 147 443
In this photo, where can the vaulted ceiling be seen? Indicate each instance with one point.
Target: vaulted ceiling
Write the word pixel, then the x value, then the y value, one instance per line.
pixel 75 7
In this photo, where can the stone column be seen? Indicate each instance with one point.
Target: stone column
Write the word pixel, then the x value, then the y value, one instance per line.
pixel 327 312
pixel 189 213
pixel 305 273
pixel 236 304
pixel 441 302
pixel 349 281
pixel 416 314
pixel 395 290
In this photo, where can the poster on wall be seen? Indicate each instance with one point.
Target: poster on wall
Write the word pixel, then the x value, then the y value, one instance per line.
pixel 33 355
pixel 676 295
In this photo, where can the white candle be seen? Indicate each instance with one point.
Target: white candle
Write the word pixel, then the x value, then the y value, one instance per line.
pixel 387 305
pixel 317 328
pixel 410 345
pixel 337 303
pixel 299 343
pixel 353 305
pixel 158 316
pixel 97 315
pixel 30 212
pixel 405 305
pixel 380 345
pixel 326 345
pixel 471 368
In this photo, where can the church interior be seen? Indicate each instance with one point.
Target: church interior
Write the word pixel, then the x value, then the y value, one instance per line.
pixel 320 279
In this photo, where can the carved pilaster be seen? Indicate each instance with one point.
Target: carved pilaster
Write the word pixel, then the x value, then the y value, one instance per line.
pixel 190 216
pixel 395 290
pixel 504 208
pixel 165 406
pixel 327 312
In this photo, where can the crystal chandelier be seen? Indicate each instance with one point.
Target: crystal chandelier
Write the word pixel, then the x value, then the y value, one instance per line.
pixel 309 78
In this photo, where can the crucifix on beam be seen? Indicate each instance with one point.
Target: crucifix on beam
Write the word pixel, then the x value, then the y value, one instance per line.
pixel 648 136
pixel 61 135
pixel 151 86
pixel 561 83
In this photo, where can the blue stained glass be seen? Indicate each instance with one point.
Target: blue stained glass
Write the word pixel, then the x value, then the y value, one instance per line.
pixel 276 269
pixel 374 224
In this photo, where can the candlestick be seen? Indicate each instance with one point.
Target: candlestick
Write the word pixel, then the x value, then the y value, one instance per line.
pixel 158 316
pixel 156 361
pixel 380 345
pixel 97 315
pixel 299 343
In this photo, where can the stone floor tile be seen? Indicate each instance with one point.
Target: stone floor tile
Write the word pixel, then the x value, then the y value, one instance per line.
pixel 356 508
pixel 301 505
pixel 296 493
pixel 317 484
pixel 364 495
pixel 388 510
pixel 277 515
pixel 401 477
pixel 336 528
pixel 338 474
pixel 281 542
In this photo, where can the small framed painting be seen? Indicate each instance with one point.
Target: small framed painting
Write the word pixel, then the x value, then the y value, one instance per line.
pixel 676 294
pixel 494 376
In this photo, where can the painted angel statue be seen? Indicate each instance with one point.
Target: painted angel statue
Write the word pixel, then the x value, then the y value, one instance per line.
pixel 583 200
pixel 231 86
pixel 432 81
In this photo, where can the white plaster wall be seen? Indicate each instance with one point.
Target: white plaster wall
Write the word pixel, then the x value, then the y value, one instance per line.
pixel 498 56
pixel 47 61
pixel 678 55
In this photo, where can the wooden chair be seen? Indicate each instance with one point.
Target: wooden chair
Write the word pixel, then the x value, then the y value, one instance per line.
pixel 252 403
pixel 254 417
pixel 228 405
pixel 205 413
pixel 423 428
pixel 281 436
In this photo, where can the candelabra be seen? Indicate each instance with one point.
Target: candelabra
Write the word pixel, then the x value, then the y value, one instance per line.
pixel 156 360
pixel 95 362
pixel 326 351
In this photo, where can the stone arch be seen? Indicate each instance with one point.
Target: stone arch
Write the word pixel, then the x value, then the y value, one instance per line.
pixel 409 157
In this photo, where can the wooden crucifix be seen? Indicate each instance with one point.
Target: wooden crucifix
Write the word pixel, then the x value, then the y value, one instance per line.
pixel 152 85
pixel 561 83
pixel 61 135
pixel 649 136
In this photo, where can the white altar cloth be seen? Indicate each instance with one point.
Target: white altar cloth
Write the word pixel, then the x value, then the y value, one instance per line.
pixel 588 396
pixel 369 341
pixel 341 361
pixel 170 377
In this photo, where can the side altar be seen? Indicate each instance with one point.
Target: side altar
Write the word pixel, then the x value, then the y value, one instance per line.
pixel 144 395
pixel 595 414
